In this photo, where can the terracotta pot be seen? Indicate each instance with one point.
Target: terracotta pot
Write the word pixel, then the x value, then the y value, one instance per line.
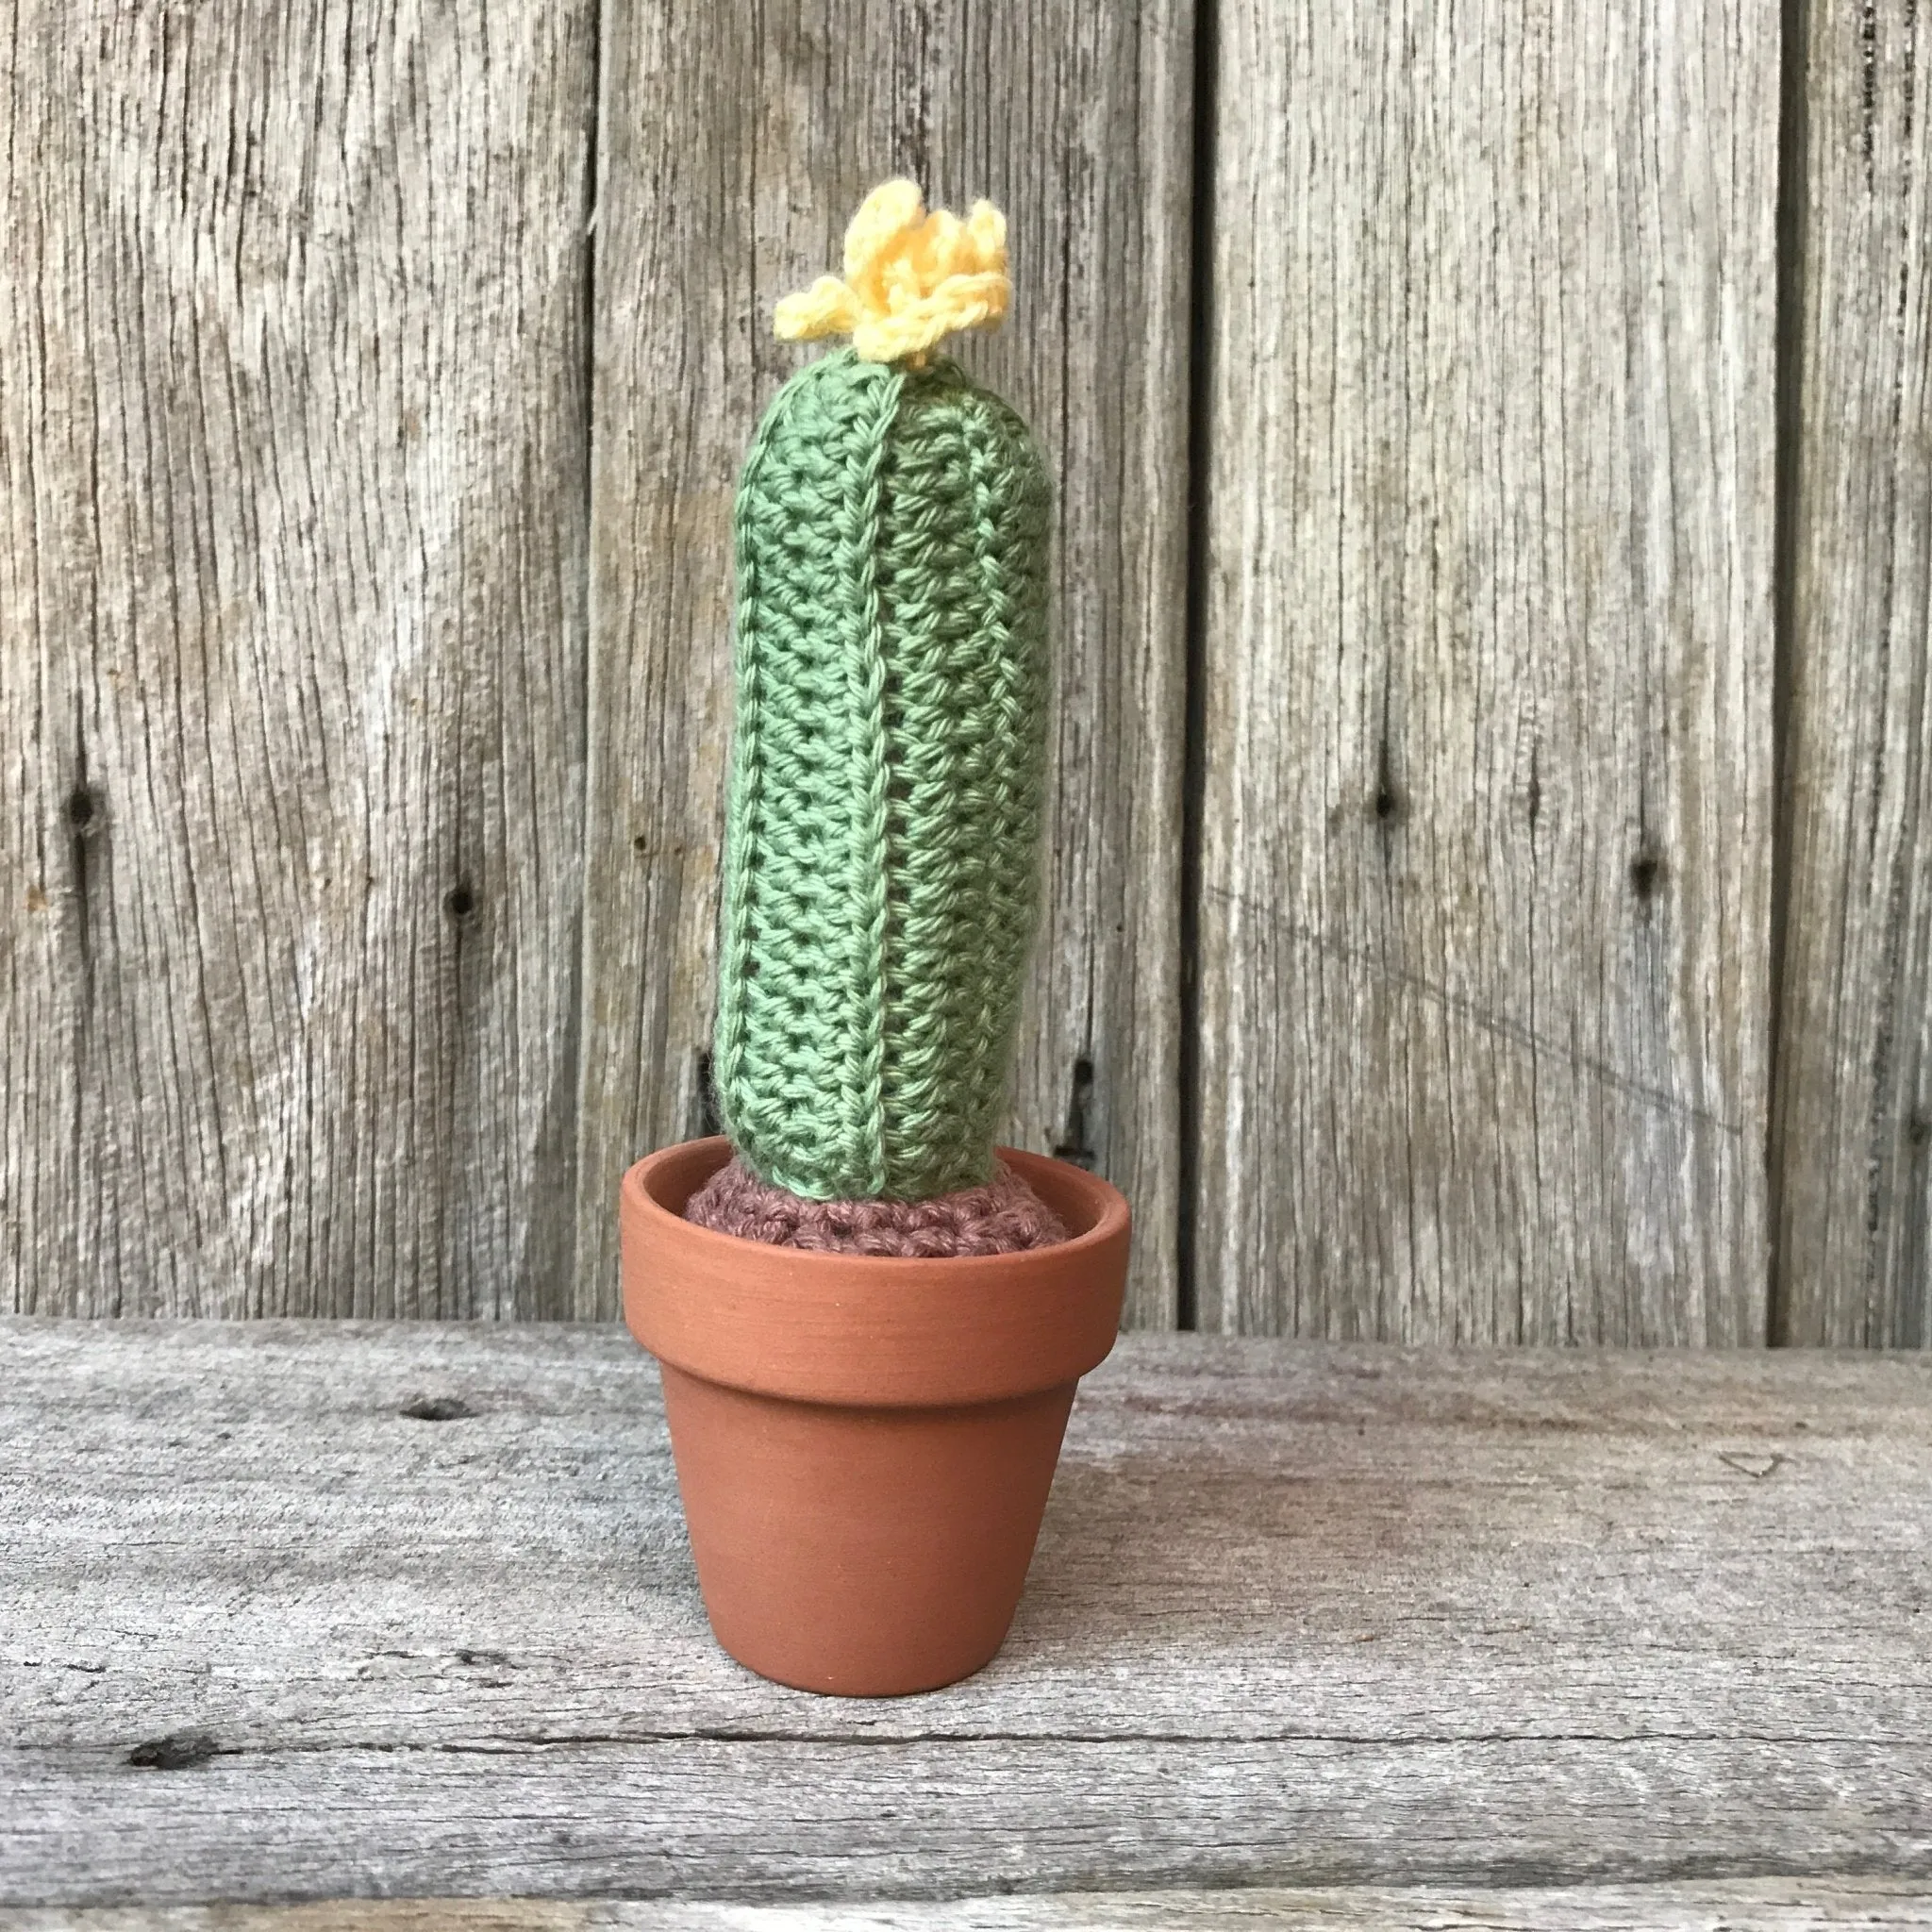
pixel 864 1445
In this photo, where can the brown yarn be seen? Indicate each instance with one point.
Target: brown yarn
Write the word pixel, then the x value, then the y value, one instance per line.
pixel 1000 1218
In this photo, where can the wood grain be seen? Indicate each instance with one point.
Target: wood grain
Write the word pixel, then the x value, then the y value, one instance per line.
pixel 760 130
pixel 292 475
pixel 1854 1103
pixel 1762 1905
pixel 1486 839
pixel 1307 1616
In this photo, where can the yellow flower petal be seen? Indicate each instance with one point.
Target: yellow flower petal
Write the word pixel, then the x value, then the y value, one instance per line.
pixel 986 228
pixel 828 308
pixel 886 213
pixel 910 279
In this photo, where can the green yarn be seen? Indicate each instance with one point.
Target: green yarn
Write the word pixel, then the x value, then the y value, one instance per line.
pixel 882 847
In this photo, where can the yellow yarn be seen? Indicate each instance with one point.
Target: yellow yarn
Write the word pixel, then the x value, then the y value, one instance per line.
pixel 910 279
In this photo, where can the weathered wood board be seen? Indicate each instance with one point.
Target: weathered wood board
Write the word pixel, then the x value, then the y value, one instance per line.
pixel 1307 1616
pixel 735 145
pixel 1747 1904
pixel 1487 831
pixel 292 536
pixel 1854 1141
pixel 310 752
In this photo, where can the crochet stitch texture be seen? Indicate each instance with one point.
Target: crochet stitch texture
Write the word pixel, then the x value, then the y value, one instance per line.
pixel 1000 1218
pixel 882 843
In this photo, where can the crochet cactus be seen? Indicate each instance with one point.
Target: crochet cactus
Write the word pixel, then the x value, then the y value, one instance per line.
pixel 882 844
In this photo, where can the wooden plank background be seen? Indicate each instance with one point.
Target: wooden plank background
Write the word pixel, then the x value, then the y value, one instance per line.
pixel 1854 1118
pixel 1489 889
pixel 1486 852
pixel 764 129
pixel 291 448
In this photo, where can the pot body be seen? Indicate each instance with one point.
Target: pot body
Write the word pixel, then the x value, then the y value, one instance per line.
pixel 864 1445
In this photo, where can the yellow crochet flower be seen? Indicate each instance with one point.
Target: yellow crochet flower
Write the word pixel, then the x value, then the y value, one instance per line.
pixel 911 278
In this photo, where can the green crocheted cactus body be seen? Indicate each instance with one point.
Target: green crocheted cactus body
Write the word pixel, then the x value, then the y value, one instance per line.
pixel 882 849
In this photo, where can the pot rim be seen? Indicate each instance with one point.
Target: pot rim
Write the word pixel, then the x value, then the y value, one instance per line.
pixel 660 1175
pixel 872 1330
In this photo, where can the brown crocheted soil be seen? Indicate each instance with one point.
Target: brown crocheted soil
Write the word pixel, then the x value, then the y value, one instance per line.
pixel 1001 1218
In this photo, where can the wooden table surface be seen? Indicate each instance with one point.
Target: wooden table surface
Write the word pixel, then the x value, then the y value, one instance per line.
pixel 1315 1635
